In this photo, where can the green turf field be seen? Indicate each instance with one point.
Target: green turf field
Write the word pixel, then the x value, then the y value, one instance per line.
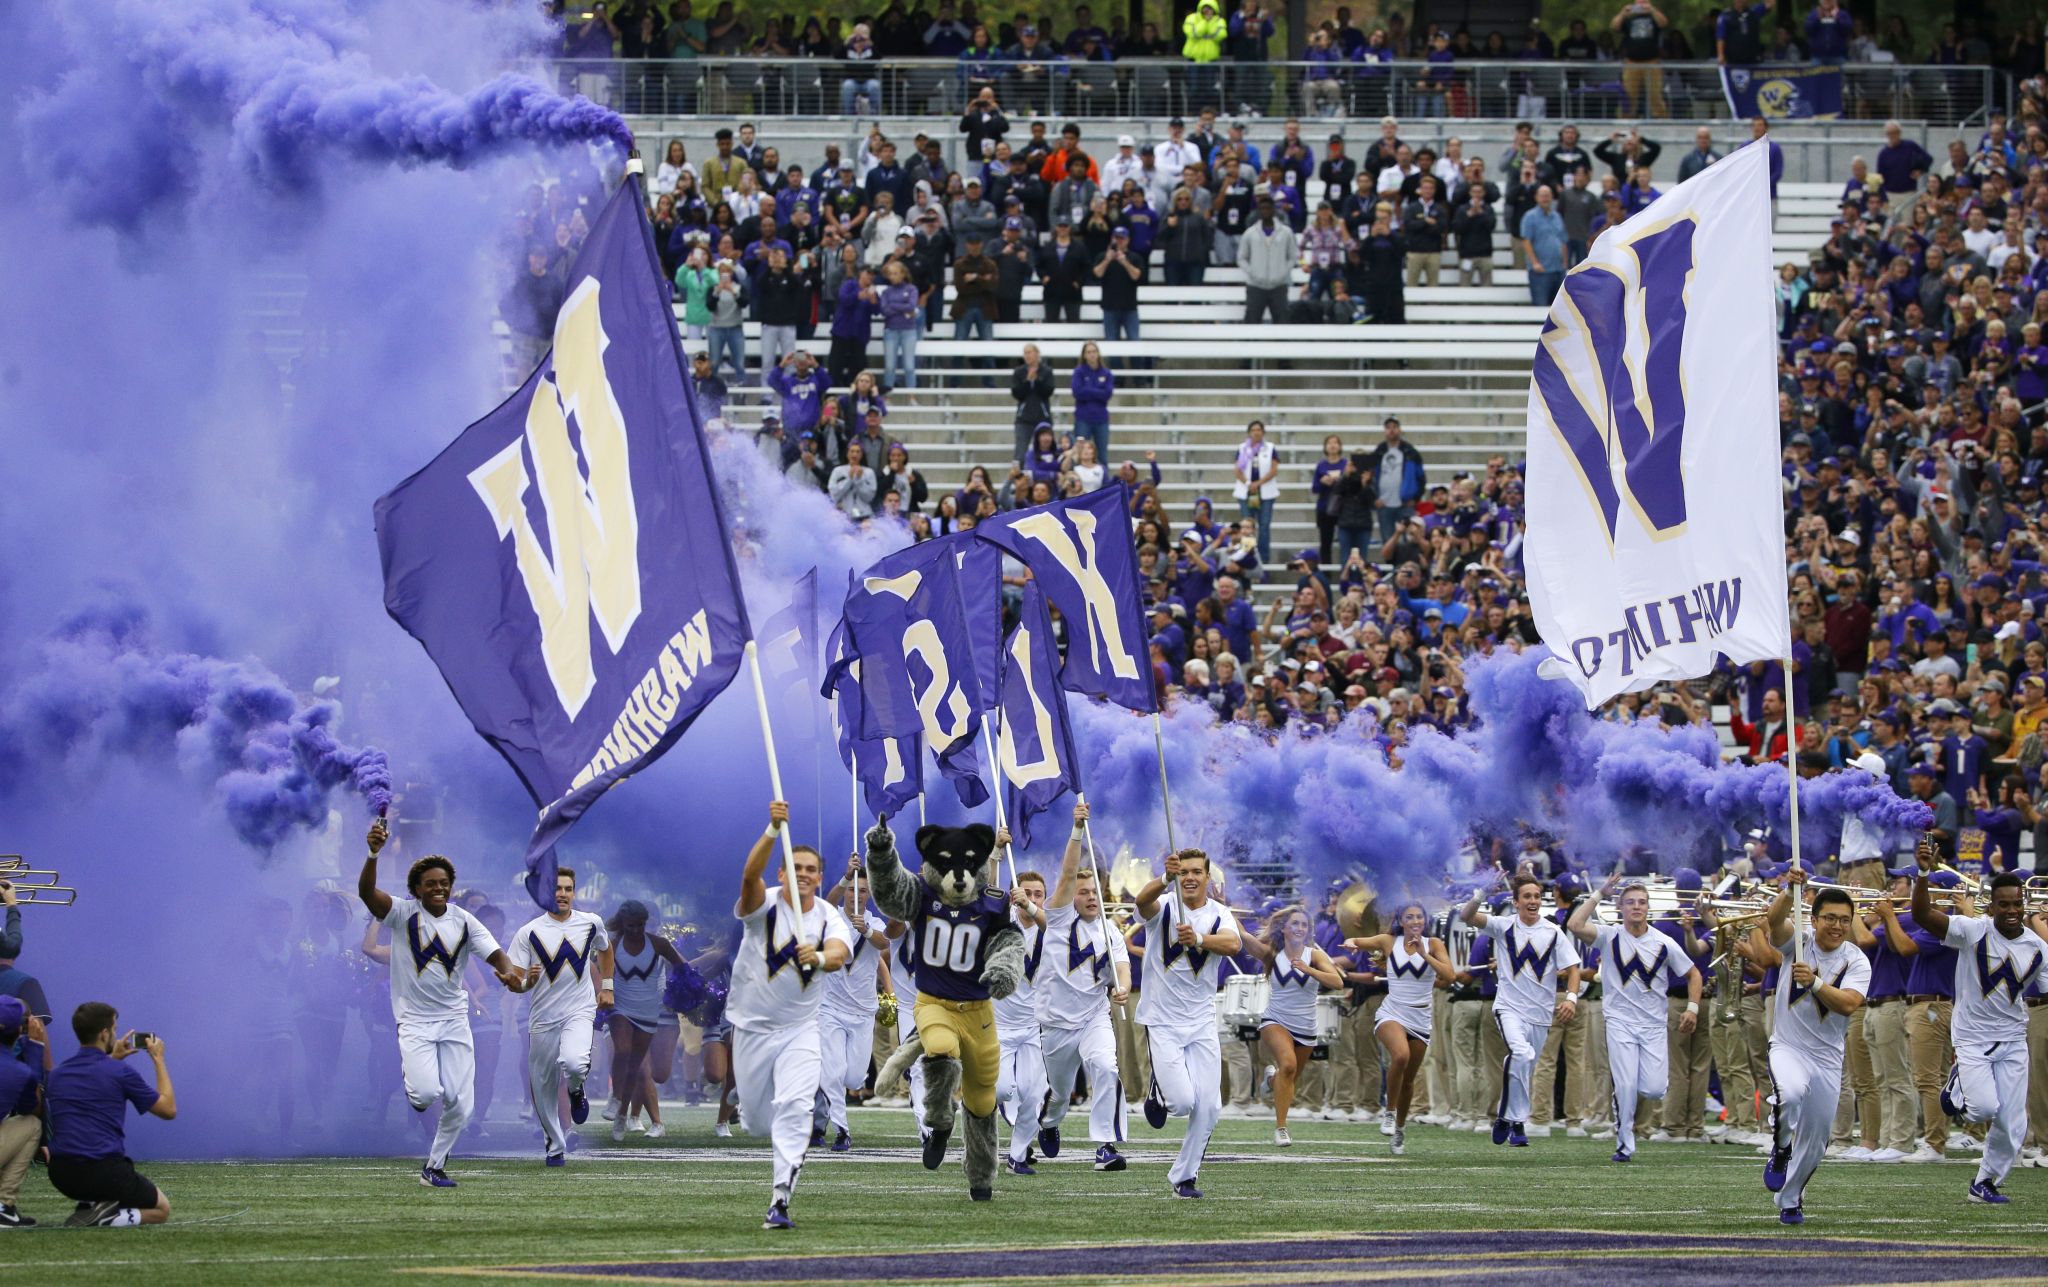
pixel 691 1197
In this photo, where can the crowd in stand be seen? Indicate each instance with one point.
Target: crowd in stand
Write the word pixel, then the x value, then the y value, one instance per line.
pixel 1224 50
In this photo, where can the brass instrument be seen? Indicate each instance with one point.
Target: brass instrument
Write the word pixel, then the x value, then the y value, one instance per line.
pixel 885 1009
pixel 34 887
pixel 1354 910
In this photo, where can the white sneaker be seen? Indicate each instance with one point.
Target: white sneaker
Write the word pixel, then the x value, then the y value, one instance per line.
pixel 1231 1113
pixel 1282 1138
pixel 637 1123
pixel 1836 1151
pixel 1886 1155
pixel 655 1130
pixel 618 1129
pixel 723 1130
pixel 1575 1132
pixel 1923 1153
pixel 1714 1108
pixel 1387 1122
pixel 1334 1115
pixel 1718 1132
pixel 1400 1144
pixel 1604 1133
pixel 1660 1137
pixel 1964 1144
pixel 1259 1111
pixel 1459 1124
pixel 2030 1154
pixel 1761 1139
pixel 611 1109
pixel 1539 1132
pixel 1858 1154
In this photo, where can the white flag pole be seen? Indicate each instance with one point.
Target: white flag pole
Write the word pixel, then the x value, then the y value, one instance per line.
pixel 774 773
pixel 1165 793
pixel 854 755
pixel 988 730
pixel 1792 762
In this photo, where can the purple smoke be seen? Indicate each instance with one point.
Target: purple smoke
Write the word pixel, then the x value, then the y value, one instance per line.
pixel 154 91
pixel 103 690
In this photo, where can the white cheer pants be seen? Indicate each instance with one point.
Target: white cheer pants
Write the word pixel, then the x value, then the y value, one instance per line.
pixel 1989 1084
pixel 1524 1041
pixel 1020 1089
pixel 1187 1076
pixel 439 1060
pixel 1804 1118
pixel 1639 1064
pixel 847 1046
pixel 557 1055
pixel 1067 1052
pixel 776 1072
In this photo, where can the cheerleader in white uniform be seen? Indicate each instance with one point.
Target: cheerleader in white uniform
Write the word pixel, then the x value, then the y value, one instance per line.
pixel 1415 965
pixel 643 1048
pixel 1297 971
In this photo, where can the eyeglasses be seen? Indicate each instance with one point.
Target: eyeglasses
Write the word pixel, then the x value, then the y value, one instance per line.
pixel 1839 922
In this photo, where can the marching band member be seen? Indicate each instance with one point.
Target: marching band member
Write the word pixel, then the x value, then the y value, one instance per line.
pixel 1189 934
pixel 1297 971
pixel 846 1012
pixel 435 1047
pixel 1456 1048
pixel 1636 961
pixel 1689 1048
pixel 1532 952
pixel 1073 1011
pixel 1884 1021
pixel 1930 1004
pixel 1415 965
pixel 1999 957
pixel 1020 1077
pixel 1820 984
pixel 788 936
pixel 565 961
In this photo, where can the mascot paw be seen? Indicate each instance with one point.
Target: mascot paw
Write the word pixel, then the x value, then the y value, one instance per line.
pixel 881 839
pixel 1002 977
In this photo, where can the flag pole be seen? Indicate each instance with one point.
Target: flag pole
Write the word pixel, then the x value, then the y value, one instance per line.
pixel 1165 793
pixel 1101 893
pixel 774 772
pixel 988 730
pixel 1792 763
pixel 854 756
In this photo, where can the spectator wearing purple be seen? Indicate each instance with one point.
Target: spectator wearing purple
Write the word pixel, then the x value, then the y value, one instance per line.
pixel 1239 623
pixel 1901 166
pixel 21 1101
pixel 1761 128
pixel 853 322
pixel 801 386
pixel 1092 385
pixel 902 324
pixel 1828 30
pixel 1329 471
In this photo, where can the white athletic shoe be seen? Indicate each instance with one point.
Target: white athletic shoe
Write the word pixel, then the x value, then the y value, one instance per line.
pixel 1387 1121
pixel 1400 1144
pixel 655 1130
pixel 1230 1113
pixel 1539 1132
pixel 1334 1115
pixel 723 1130
pixel 618 1129
pixel 1282 1138
pixel 1761 1139
pixel 1660 1137
pixel 1459 1124
pixel 1259 1112
pixel 637 1123
pixel 611 1109
pixel 1836 1151
pixel 2030 1154
pixel 1886 1155
pixel 1714 1108
pixel 1859 1154
pixel 1964 1144
pixel 1718 1132
pixel 1604 1133
pixel 1575 1132
pixel 1922 1153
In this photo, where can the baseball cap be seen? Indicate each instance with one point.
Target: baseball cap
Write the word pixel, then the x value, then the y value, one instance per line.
pixel 973 181
pixel 1687 879
pixel 906 235
pixel 1121 231
pixel 1125 140
pixel 1921 771
pixel 13 1016
pixel 1014 222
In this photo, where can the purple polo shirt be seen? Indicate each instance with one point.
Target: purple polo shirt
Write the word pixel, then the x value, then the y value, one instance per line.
pixel 1933 972
pixel 1702 960
pixel 86 1095
pixel 19 1079
pixel 1888 969
pixel 1481 955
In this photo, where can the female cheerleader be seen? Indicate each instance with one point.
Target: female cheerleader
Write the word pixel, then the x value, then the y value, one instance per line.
pixel 1416 965
pixel 1297 971
pixel 643 1047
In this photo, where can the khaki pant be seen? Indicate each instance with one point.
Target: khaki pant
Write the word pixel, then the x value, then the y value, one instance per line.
pixel 1475 272
pixel 1742 1053
pixel 1424 267
pixel 1352 1075
pixel 1133 1050
pixel 1493 1059
pixel 19 1136
pixel 1240 1072
pixel 1591 1069
pixel 1884 1031
pixel 2037 1077
pixel 1468 1062
pixel 1856 1109
pixel 1565 1045
pixel 1639 79
pixel 1439 1077
pixel 1927 1040
pixel 1690 1056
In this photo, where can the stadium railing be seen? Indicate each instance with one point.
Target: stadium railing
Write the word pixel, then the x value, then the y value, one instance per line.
pixel 812 87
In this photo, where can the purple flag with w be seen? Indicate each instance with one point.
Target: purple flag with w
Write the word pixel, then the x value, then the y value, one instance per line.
pixel 890 769
pixel 907 624
pixel 565 560
pixel 1034 741
pixel 1080 550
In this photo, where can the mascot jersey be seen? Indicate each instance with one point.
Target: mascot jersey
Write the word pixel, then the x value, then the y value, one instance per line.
pixel 951 943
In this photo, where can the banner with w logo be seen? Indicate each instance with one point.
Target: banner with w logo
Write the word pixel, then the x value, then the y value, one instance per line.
pixel 1655 505
pixel 565 560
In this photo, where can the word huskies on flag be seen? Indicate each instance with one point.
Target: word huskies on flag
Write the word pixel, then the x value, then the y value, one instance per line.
pixel 1655 537
pixel 1034 742
pixel 1081 551
pixel 565 560
pixel 907 622
pixel 890 771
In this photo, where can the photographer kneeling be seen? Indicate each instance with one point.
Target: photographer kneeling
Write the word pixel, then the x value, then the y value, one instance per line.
pixel 88 1150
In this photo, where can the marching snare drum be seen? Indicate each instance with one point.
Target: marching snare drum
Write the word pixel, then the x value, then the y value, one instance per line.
pixel 1329 1018
pixel 1241 1003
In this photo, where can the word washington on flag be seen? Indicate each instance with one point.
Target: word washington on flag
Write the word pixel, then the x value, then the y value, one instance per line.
pixel 1656 510
pixel 565 560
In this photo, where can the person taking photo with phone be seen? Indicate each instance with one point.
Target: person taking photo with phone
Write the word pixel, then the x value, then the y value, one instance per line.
pixel 88 1144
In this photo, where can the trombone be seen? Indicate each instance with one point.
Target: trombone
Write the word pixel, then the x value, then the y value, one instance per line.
pixel 33 887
